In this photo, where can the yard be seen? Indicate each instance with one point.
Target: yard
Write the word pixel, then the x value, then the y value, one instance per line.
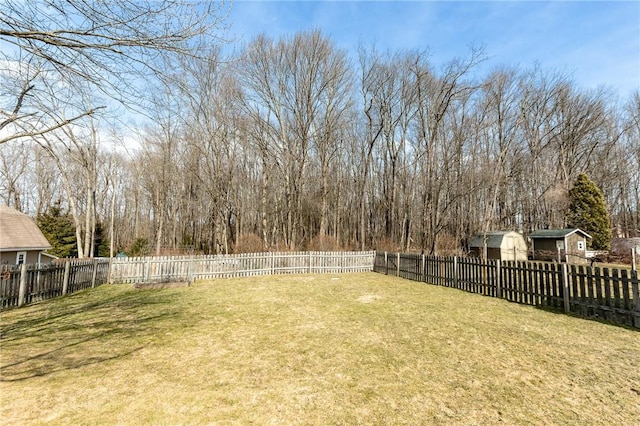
pixel 311 349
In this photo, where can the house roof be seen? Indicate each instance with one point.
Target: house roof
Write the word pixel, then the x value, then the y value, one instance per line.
pixel 494 239
pixel 557 233
pixel 19 232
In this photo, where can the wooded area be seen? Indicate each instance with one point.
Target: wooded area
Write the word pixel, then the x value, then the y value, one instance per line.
pixel 294 144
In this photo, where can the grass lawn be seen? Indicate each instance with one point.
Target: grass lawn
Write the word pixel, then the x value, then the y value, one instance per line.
pixel 311 349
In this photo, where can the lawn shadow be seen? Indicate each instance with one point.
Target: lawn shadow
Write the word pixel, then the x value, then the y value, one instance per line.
pixel 81 330
pixel 592 317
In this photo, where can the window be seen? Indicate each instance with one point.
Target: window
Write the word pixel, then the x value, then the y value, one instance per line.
pixel 581 245
pixel 21 257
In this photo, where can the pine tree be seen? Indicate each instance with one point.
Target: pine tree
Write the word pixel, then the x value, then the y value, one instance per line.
pixel 140 247
pixel 59 230
pixel 101 242
pixel 588 211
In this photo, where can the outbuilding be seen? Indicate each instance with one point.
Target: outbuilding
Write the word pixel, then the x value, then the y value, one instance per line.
pixel 568 245
pixel 503 245
pixel 21 241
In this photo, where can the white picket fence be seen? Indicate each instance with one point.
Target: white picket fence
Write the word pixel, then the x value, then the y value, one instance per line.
pixel 190 268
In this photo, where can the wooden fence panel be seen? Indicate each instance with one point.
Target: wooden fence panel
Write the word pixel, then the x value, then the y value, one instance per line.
pixel 410 265
pixel 507 281
pixel 9 286
pixel 471 275
pixel 43 282
pixel 611 294
pixel 555 277
pixel 603 293
pixel 189 268
pixel 523 282
pixel 490 286
pixel 626 290
pixel 46 281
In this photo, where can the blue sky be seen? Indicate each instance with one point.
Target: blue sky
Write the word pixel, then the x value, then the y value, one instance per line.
pixel 597 43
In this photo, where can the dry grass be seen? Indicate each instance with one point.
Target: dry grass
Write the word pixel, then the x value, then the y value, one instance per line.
pixel 344 349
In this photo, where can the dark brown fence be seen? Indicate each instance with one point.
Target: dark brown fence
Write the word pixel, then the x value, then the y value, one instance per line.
pixel 607 293
pixel 24 284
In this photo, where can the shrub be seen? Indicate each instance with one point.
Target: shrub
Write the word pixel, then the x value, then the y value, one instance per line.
pixel 248 243
pixel 140 247
pixel 447 245
pixel 323 243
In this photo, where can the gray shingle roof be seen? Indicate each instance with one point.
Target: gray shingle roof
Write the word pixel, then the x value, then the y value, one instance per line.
pixel 556 233
pixel 19 232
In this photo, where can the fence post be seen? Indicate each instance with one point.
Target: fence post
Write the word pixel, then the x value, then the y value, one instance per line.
pixel 565 288
pixel 109 270
pixel 23 284
pixel 386 264
pixel 636 298
pixel 147 273
pixel 65 282
pixel 308 262
pixel 95 273
pixel 273 262
pixel 455 271
pixel 498 279
pixel 423 276
pixel 398 265
pixel 190 270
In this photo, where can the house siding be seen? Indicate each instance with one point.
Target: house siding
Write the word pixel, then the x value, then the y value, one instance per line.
pixel 9 257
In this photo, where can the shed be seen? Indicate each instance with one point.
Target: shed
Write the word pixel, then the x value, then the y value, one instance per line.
pixel 568 245
pixel 21 241
pixel 503 245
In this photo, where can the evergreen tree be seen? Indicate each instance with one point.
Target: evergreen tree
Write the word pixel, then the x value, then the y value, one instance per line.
pixel 59 230
pixel 101 242
pixel 140 247
pixel 587 211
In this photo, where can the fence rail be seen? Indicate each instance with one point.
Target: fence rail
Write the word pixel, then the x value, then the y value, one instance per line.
pixel 608 293
pixel 189 268
pixel 24 284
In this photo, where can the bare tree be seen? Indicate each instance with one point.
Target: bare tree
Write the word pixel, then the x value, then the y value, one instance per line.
pixel 14 164
pixel 437 95
pixel 295 91
pixel 213 122
pixel 108 46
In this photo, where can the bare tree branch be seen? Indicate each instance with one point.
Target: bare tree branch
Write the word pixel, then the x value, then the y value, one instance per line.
pixel 48 129
pixel 109 48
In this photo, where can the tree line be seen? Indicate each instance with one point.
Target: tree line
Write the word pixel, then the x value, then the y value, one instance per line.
pixel 293 143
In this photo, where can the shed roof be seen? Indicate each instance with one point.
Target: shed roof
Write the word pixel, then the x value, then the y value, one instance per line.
pixel 19 232
pixel 557 233
pixel 494 239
